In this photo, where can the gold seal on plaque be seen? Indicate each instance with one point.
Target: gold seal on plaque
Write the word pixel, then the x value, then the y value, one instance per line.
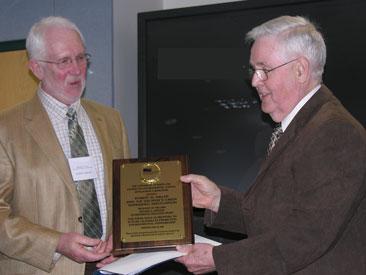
pixel 150 173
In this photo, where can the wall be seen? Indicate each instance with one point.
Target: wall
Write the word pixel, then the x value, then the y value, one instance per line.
pixel 15 18
pixel 172 4
pixel 125 61
pixel 110 30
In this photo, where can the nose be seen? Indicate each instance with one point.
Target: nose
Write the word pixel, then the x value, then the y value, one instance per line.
pixel 255 80
pixel 75 68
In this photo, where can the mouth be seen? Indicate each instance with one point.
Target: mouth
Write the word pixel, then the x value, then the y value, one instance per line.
pixel 263 95
pixel 75 83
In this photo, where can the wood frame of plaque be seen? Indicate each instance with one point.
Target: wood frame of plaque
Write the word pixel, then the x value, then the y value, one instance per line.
pixel 152 208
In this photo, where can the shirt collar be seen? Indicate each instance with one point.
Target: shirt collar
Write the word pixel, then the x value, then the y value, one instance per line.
pixel 286 121
pixel 55 107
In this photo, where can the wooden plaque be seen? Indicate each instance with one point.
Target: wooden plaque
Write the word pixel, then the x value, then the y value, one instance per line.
pixel 152 208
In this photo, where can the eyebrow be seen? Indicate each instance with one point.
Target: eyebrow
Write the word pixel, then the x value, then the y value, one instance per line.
pixel 71 56
pixel 260 64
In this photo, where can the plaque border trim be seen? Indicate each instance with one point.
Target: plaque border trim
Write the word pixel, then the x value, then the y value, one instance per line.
pixel 120 248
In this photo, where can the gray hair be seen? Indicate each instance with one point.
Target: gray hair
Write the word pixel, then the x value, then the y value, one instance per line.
pixel 297 36
pixel 35 41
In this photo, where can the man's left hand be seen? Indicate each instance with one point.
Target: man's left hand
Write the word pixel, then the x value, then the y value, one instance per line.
pixel 198 258
pixel 107 248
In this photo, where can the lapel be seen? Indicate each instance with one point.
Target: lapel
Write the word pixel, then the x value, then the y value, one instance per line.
pixel 306 113
pixel 39 126
pixel 101 130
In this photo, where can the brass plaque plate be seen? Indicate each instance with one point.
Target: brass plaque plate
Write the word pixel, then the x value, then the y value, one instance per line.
pixel 152 207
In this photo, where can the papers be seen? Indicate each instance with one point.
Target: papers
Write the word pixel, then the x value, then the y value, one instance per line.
pixel 138 262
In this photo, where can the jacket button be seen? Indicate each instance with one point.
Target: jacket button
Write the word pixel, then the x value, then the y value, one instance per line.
pixel 80 219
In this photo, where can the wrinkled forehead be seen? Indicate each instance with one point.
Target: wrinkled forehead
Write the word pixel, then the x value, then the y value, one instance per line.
pixel 59 39
pixel 57 33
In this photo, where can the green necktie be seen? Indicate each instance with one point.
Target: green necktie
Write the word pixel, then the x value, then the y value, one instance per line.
pixel 87 195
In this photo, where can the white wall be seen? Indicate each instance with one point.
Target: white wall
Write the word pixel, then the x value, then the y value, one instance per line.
pixel 172 4
pixel 125 61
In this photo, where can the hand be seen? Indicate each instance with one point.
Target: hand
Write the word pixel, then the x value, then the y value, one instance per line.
pixel 198 258
pixel 205 193
pixel 108 248
pixel 81 248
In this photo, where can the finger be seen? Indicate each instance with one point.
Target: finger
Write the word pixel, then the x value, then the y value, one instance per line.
pixel 106 261
pixel 86 241
pixel 101 247
pixel 192 178
pixel 110 243
pixel 184 248
pixel 185 178
pixel 93 256
pixel 180 260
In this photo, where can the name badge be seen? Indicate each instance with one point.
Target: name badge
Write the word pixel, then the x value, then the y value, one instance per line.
pixel 83 168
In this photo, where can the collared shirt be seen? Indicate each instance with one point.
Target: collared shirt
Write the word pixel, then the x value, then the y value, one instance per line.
pixel 57 114
pixel 286 121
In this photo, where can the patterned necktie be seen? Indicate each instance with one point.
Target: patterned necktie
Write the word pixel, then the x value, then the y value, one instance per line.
pixel 87 195
pixel 276 134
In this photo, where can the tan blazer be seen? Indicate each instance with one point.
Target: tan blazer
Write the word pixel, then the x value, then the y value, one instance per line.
pixel 38 199
pixel 305 214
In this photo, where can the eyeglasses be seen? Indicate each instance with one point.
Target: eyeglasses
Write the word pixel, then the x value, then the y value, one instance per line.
pixel 66 62
pixel 262 74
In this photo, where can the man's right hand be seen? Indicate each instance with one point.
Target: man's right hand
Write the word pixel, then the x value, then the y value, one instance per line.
pixel 80 248
pixel 205 193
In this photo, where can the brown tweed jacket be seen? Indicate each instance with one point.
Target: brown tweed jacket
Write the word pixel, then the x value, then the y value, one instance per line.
pixel 305 213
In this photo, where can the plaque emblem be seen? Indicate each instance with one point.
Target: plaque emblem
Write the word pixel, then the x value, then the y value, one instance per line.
pixel 150 173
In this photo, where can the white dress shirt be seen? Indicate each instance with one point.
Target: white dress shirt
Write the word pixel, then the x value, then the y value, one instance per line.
pixel 286 121
pixel 57 114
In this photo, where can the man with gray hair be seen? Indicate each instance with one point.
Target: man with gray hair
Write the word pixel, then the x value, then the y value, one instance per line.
pixel 305 213
pixel 56 153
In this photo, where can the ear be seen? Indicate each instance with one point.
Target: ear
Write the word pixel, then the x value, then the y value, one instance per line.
pixel 36 68
pixel 302 69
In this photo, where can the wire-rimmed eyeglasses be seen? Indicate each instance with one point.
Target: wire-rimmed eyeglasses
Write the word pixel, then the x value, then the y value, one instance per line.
pixel 262 74
pixel 66 62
